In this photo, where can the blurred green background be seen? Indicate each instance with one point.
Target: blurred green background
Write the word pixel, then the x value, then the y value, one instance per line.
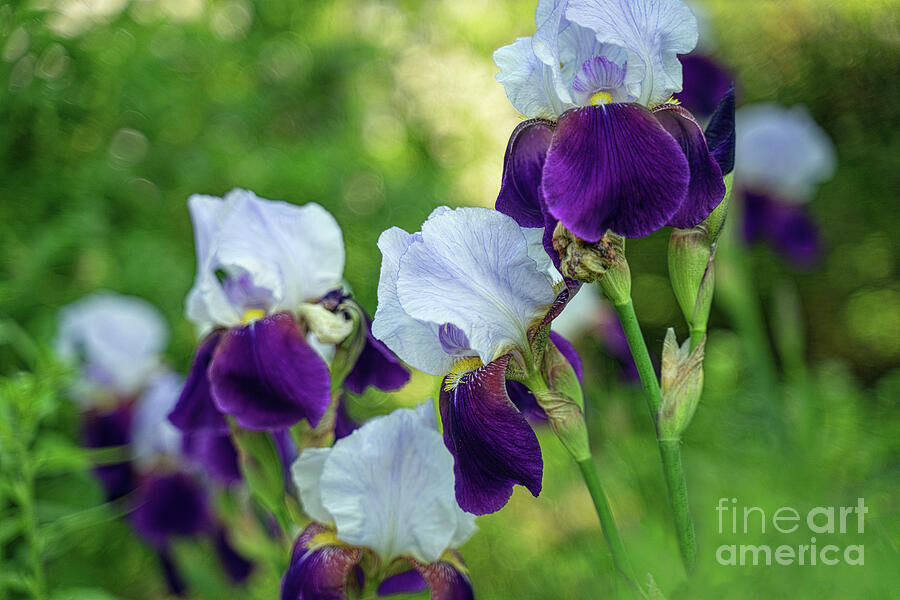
pixel 112 112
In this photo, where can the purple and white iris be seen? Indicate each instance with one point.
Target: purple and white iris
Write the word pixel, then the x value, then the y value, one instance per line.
pixel 782 155
pixel 114 342
pixel 264 269
pixel 603 149
pixel 382 495
pixel 464 299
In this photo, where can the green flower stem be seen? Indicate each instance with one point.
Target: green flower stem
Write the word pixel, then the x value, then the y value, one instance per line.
pixel 697 334
pixel 670 451
pixel 607 523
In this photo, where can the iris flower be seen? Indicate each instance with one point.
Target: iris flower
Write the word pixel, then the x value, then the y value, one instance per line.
pixel 264 271
pixel 381 497
pixel 466 299
pixel 782 155
pixel 604 148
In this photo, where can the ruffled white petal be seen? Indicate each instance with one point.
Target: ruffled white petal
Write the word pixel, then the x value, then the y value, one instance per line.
pixel 653 32
pixel 153 436
pixel 528 81
pixel 276 256
pixel 782 150
pixel 389 486
pixel 472 268
pixel 116 341
pixel 307 475
pixel 415 342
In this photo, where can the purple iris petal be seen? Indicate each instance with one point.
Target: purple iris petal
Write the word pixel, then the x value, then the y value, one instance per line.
pixel 453 340
pixel 215 453
pixel 236 566
pixel 520 190
pixel 446 581
pixel 344 424
pixel 492 444
pixel 376 366
pixel 407 582
pixel 706 188
pixel 319 574
pixel 704 82
pixel 613 167
pixel 195 409
pixel 174 580
pixel 720 136
pixel 169 506
pixel 107 429
pixel 267 376
pixel 787 226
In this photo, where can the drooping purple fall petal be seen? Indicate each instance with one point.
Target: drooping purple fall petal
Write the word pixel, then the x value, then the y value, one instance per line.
pixel 268 377
pixel 613 167
pixel 168 506
pixel 704 82
pixel 319 573
pixel 493 446
pixel 706 188
pixel 195 409
pixel 106 429
pixel 523 165
pixel 720 133
pixel 446 580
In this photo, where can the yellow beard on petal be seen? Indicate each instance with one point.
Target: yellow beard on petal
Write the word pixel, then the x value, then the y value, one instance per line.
pixel 254 314
pixel 600 98
pixel 458 372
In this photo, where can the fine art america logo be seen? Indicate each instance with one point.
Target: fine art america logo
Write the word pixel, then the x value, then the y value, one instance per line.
pixel 820 520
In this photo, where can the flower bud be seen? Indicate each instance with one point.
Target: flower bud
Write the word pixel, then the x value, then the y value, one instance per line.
pixel 715 222
pixel 681 383
pixel 330 327
pixel 602 261
pixel 691 274
pixel 563 401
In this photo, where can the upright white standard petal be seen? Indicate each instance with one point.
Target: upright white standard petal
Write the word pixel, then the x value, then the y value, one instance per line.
pixel 583 313
pixel 415 342
pixel 654 33
pixel 470 274
pixel 388 486
pixel 782 150
pixel 528 82
pixel 153 436
pixel 261 254
pixel 115 340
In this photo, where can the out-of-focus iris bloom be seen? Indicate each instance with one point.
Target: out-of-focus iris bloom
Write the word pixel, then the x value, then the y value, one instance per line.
pixel 171 500
pixel 782 155
pixel 603 148
pixel 115 342
pixel 464 299
pixel 263 270
pixel 382 497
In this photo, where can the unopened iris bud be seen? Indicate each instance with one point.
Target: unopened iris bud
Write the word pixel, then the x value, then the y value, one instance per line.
pixel 681 383
pixel 691 274
pixel 559 395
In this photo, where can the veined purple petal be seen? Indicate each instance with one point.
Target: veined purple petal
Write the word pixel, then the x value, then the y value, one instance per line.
pixel 613 167
pixel 525 401
pixel 195 409
pixel 376 366
pixel 447 580
pixel 407 582
pixel 320 573
pixel 215 453
pixel 170 506
pixel 267 376
pixel 704 82
pixel 568 350
pixel 706 188
pixel 236 566
pixel 492 444
pixel 720 136
pixel 106 429
pixel 520 190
